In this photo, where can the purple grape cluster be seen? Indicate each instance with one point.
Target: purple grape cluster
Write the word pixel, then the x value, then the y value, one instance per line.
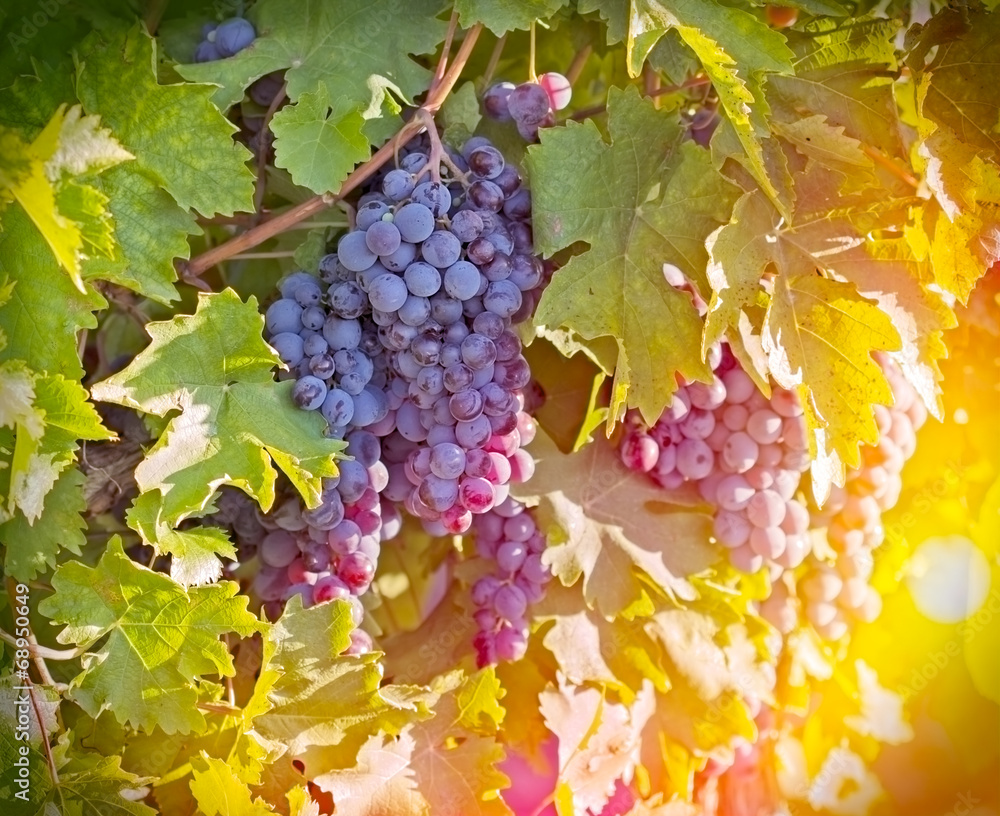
pixel 405 345
pixel 508 538
pixel 746 454
pixel 224 39
pixel 530 105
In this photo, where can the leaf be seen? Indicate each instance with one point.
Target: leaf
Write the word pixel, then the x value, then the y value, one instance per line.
pixel 821 332
pixel 31 549
pixel 615 528
pixel 214 368
pixel 346 39
pixel 34 328
pixel 881 715
pixel 160 639
pixel 501 16
pixel 150 231
pixel 444 765
pixel 219 792
pixel 598 741
pixel 175 132
pixel 94 785
pixel 84 147
pixel 640 201
pixel 314 703
pixel 570 412
pixel 320 139
pixel 460 115
pixel 844 70
pixel 951 88
pixel 590 649
pixel 193 552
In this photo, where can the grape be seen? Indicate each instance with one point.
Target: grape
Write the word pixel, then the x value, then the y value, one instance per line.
pixel 414 221
pixel 485 195
pixel 526 272
pixel 289 347
pixel 415 311
pixel 369 406
pixel 740 452
pixel 370 213
pixel 422 279
pixel 283 315
pixel 356 570
pixel 764 426
pixel 478 351
pixel 528 104
pixel 383 238
pixel 558 89
pixel 397 184
pixel 495 101
pixel 207 52
pixel 353 252
pixel 400 259
pixel 233 35
pixel 309 393
pixel 387 292
pixel 486 162
pixel 474 433
pixel 434 196
pixel 437 493
pixel 313 318
pixel 279 549
pixel 466 225
pixel 441 249
pixel 502 298
pixel 695 459
pixel 766 509
pixel 461 280
pixel 338 407
pixel 447 461
pixel 466 405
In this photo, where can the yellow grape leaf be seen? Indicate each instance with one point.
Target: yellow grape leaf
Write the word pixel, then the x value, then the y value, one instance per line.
pixel 626 537
pixel 219 792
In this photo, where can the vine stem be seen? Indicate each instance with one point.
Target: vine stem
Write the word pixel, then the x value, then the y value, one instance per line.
pixel 44 652
pixel 279 223
pixel 578 63
pixel 445 50
pixel 532 76
pixel 899 172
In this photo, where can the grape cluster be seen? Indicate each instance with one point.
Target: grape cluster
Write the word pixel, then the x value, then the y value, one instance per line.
pixel 405 345
pixel 224 39
pixel 508 538
pixel 837 594
pixel 746 454
pixel 530 105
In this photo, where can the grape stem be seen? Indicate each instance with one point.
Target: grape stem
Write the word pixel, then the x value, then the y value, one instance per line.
pixel 264 137
pixel 532 76
pixel 491 66
pixel 44 652
pixel 288 219
pixel 445 51
pixel 694 82
pixel 578 63
pixel 438 154
pixel 899 172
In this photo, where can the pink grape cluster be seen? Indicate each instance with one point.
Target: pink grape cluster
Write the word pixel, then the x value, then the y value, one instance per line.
pixel 530 105
pixel 746 454
pixel 508 538
pixel 837 594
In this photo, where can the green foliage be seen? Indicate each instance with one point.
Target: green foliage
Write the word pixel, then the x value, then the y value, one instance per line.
pixel 234 421
pixel 160 639
pixel 814 183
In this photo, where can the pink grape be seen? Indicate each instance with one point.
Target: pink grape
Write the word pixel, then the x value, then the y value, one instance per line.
pixel 764 426
pixel 522 466
pixel 740 452
pixel 731 529
pixel 766 509
pixel 734 493
pixel 558 89
pixel 639 452
pixel 734 417
pixel 695 460
pixel 767 542
pixel 476 494
pixel 739 387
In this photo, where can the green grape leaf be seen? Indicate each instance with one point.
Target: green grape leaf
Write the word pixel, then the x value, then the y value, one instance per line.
pixel 193 553
pixel 320 139
pixel 501 16
pixel 844 70
pixel 93 785
pixel 149 231
pixel 32 548
pixel 315 703
pixel 175 132
pixel 615 528
pixel 34 329
pixel 460 115
pixel 160 639
pixel 234 419
pixel 219 792
pixel 737 50
pixel 84 147
pixel 321 39
pixel 640 201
